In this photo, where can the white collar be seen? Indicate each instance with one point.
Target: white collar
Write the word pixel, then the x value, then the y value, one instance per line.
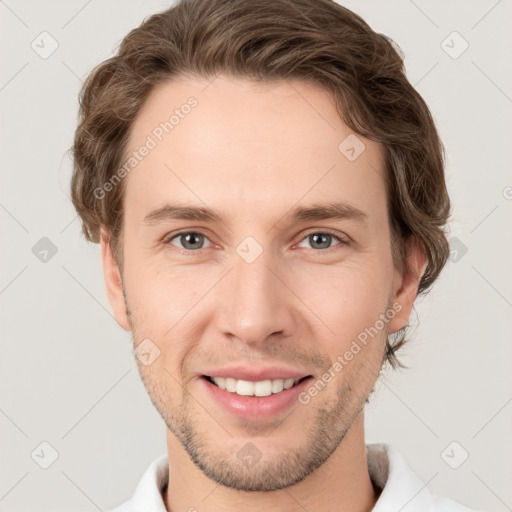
pixel 401 489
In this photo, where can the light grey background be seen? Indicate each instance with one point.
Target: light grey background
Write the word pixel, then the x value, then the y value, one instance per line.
pixel 67 374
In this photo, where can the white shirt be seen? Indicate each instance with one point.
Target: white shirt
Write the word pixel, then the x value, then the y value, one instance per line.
pixel 401 489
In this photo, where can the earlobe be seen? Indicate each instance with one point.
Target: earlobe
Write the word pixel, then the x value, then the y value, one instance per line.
pixel 405 286
pixel 113 282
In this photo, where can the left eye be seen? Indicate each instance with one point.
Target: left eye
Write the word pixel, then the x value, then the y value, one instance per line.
pixel 321 240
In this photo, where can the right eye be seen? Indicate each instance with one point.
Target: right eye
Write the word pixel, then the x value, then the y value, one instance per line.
pixel 190 240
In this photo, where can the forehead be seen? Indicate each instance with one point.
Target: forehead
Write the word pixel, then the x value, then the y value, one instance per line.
pixel 258 145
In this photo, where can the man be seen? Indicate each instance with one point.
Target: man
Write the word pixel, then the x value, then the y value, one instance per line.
pixel 282 140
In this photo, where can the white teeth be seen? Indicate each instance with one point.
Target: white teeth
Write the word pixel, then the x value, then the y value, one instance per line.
pixel 288 383
pixel 230 384
pixel 277 385
pixel 249 388
pixel 244 387
pixel 263 388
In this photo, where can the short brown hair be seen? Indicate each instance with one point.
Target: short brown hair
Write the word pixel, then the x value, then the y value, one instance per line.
pixel 320 42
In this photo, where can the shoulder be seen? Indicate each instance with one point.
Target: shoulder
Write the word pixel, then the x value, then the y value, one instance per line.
pixel 148 493
pixel 440 504
pixel 400 488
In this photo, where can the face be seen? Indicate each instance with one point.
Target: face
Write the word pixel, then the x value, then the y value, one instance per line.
pixel 235 267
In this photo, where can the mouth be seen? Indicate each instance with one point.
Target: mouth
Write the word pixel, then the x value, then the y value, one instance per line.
pixel 254 389
pixel 255 400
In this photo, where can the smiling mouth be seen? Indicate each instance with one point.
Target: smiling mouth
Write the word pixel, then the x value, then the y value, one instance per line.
pixel 250 388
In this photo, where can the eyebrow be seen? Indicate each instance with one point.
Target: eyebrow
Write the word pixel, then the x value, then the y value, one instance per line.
pixel 329 211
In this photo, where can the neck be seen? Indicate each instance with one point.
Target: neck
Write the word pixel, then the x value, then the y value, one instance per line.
pixel 341 483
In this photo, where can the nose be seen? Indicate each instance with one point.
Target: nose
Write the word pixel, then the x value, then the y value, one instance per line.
pixel 256 305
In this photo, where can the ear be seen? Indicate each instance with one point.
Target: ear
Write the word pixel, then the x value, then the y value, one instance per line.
pixel 405 286
pixel 113 282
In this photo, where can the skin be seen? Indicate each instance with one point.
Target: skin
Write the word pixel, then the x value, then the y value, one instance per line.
pixel 253 152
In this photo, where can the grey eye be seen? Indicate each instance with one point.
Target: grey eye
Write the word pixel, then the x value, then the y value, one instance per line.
pixel 190 241
pixel 320 240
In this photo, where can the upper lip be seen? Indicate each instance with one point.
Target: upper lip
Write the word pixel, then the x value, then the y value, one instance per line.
pixel 256 374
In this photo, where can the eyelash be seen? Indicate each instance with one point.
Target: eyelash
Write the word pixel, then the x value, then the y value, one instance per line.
pixel 334 234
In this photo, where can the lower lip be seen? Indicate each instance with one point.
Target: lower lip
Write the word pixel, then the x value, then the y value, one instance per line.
pixel 255 408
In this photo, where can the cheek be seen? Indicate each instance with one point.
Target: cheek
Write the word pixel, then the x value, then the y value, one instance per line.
pixel 164 294
pixel 348 301
pixel 163 303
